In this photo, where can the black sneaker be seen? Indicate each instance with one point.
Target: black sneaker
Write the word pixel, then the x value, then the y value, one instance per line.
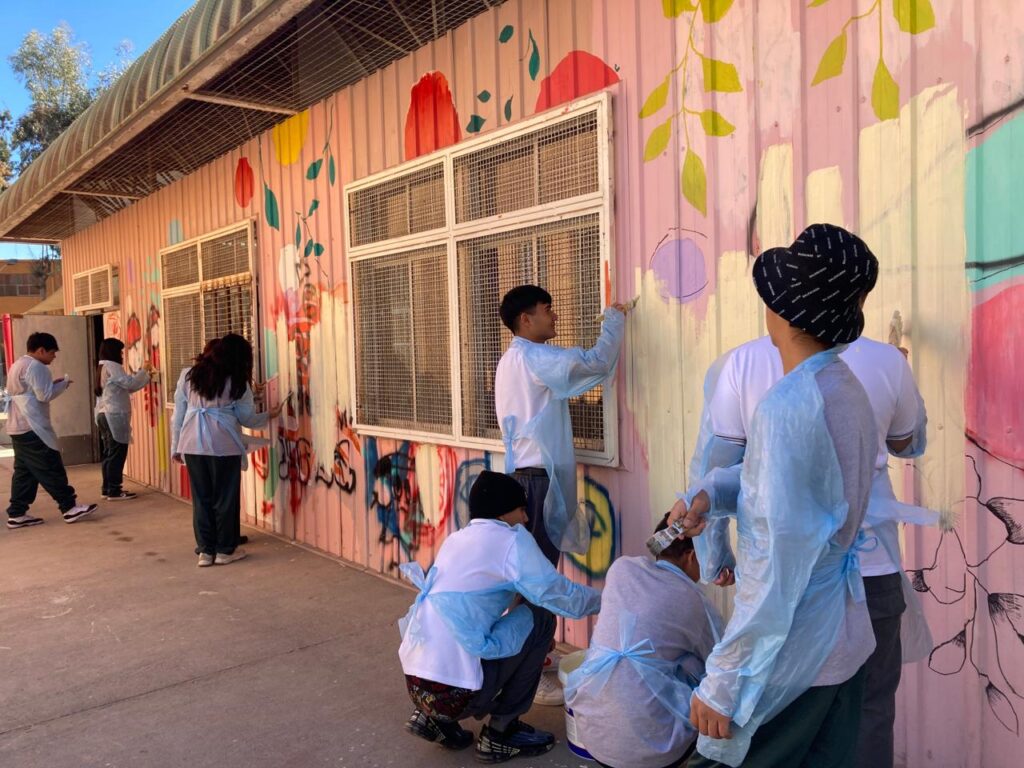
pixel 76 513
pixel 520 740
pixel 23 521
pixel 120 496
pixel 449 735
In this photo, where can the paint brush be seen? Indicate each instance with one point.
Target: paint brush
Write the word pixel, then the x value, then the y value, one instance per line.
pixel 626 307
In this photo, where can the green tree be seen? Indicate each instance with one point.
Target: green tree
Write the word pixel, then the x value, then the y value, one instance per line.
pixel 6 162
pixel 54 69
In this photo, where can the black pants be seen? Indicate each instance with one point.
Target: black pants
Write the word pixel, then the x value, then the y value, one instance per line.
pixel 882 671
pixel 216 501
pixel 114 456
pixel 817 730
pixel 535 482
pixel 35 464
pixel 511 683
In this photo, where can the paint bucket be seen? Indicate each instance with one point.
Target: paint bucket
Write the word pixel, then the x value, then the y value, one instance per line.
pixel 565 666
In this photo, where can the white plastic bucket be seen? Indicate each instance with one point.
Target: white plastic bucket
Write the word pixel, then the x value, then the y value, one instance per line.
pixel 565 666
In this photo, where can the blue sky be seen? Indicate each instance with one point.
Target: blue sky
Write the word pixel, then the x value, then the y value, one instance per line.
pixel 102 24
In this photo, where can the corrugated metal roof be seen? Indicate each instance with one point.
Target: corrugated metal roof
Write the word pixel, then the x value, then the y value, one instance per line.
pixel 223 73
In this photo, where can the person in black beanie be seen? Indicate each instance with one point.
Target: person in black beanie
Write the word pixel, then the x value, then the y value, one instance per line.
pixel 471 647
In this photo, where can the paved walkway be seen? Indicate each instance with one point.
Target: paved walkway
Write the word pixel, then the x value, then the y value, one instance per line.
pixel 116 651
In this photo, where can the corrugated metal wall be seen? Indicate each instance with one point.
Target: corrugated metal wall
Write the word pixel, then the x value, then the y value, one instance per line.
pixel 889 118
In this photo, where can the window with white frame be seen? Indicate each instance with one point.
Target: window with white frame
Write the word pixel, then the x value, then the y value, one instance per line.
pixel 207 292
pixel 435 244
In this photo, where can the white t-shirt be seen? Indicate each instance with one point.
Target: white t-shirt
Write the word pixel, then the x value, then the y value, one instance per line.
pixel 517 392
pixel 753 368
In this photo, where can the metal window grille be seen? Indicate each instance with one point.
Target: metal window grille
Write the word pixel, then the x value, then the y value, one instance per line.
pixel 81 288
pixel 225 255
pixel 182 336
pixel 180 267
pixel 551 164
pixel 208 293
pixel 99 287
pixel 397 207
pixel 564 257
pixel 403 366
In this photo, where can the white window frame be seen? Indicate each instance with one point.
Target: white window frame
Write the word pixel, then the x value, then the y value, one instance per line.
pixel 198 287
pixel 112 290
pixel 600 202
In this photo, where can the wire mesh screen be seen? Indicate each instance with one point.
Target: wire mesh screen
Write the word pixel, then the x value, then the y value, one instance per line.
pixel 227 309
pixel 564 258
pixel 402 355
pixel 180 267
pixel 99 287
pixel 226 255
pixel 398 207
pixel 556 162
pixel 182 335
pixel 81 288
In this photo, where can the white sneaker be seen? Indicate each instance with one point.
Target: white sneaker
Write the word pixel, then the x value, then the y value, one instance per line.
pixel 551 662
pixel 238 554
pixel 75 514
pixel 549 691
pixel 205 560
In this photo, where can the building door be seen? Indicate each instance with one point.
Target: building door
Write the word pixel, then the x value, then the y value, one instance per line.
pixel 72 412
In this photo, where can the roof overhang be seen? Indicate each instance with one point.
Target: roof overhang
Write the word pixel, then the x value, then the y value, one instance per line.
pixel 225 72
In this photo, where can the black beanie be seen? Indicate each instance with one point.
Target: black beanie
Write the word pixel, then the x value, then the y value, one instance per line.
pixel 493 495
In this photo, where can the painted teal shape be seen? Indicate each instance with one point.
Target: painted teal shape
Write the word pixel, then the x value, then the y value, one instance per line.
pixel 484 96
pixel 994 191
pixel 506 33
pixel 270 351
pixel 175 232
pixel 476 122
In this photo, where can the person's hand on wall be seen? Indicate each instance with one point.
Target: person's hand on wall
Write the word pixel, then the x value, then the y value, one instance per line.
pixel 277 409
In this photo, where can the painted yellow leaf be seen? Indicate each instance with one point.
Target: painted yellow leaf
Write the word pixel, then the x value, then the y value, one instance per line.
pixel 713 10
pixel 289 137
pixel 695 182
pixel 658 140
pixel 656 99
pixel 914 16
pixel 816 3
pixel 714 124
pixel 720 76
pixel 673 8
pixel 832 60
pixel 885 93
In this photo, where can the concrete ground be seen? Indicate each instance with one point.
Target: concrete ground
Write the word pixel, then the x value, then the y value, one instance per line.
pixel 117 651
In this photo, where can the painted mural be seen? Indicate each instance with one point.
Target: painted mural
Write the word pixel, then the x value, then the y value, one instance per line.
pixel 733 130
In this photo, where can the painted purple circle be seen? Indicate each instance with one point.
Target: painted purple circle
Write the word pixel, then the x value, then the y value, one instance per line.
pixel 679 265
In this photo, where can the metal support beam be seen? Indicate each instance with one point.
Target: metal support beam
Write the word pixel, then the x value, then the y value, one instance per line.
pixel 227 101
pixel 84 193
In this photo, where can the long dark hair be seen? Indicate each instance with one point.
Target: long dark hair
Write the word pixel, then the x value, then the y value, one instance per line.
pixel 110 349
pixel 227 359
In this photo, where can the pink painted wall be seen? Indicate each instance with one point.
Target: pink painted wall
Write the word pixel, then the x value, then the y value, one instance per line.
pixel 917 155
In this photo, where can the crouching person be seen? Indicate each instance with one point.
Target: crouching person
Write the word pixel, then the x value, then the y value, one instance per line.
pixel 470 646
pixel 631 696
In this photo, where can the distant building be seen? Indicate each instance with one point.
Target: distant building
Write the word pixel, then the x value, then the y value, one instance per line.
pixel 22 286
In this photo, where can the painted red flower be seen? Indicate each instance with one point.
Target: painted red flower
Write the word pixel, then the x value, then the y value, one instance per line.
pixel 431 122
pixel 577 74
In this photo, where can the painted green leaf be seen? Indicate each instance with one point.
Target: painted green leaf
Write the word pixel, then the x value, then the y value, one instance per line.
pixel 657 142
pixel 318 249
pixel 298 234
pixel 506 33
pixel 656 99
pixel 309 247
pixel 314 169
pixel 914 16
pixel 816 3
pixel 673 8
pixel 330 169
pixel 270 209
pixel 714 10
pixel 475 124
pixel 885 93
pixel 484 96
pixel 312 207
pixel 695 182
pixel 508 109
pixel 720 76
pixel 534 58
pixel 832 60
pixel 714 124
